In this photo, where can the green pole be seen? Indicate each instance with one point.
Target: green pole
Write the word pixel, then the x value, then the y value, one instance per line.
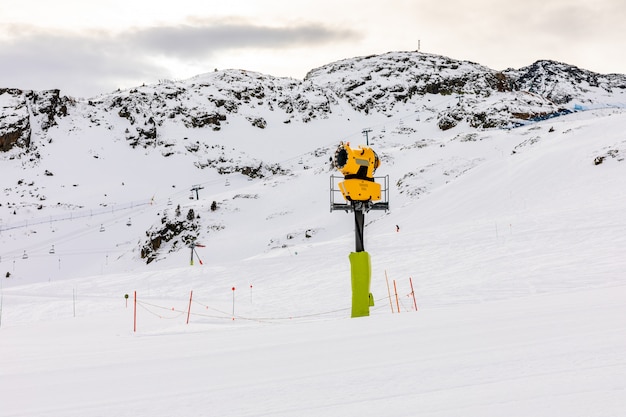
pixel 362 299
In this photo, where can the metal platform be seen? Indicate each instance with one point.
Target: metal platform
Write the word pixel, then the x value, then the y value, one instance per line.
pixel 337 202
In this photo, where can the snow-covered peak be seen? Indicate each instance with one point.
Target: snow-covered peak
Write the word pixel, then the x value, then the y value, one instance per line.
pixel 563 83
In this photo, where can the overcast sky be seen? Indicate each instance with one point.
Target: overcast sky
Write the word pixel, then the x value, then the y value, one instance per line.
pixel 86 48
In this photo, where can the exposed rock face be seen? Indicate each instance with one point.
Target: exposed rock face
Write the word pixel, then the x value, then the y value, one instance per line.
pixel 562 83
pixel 22 111
pixel 176 232
pixel 48 106
pixel 380 83
pixel 15 135
pixel 14 120
pixel 213 100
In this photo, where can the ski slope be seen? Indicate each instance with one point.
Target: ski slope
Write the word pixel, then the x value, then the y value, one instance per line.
pixel 515 243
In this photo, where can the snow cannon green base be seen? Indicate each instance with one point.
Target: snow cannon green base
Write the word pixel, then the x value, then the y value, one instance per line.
pixel 362 299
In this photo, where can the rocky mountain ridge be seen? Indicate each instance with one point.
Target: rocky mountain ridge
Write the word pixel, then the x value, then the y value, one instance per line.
pixel 386 84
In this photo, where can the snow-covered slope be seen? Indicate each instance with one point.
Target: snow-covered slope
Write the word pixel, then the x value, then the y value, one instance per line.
pixel 129 153
pixel 513 239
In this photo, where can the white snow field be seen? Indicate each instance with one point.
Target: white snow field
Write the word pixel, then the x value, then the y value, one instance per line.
pixel 518 262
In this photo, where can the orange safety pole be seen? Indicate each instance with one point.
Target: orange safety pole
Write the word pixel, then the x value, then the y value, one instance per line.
pixel 189 309
pixel 389 292
pixel 413 293
pixel 135 314
pixel 396 290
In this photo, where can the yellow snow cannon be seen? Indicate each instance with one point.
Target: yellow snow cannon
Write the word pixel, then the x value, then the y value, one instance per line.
pixel 358 167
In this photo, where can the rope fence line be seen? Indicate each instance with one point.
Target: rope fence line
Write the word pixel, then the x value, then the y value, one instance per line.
pixel 145 306
pixel 161 311
pixel 223 315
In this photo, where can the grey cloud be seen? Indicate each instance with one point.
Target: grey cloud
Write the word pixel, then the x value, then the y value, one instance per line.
pixel 79 66
pixel 191 40
pixel 90 63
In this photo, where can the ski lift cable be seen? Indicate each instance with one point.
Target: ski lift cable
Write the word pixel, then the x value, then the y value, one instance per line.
pixel 75 234
pixel 135 207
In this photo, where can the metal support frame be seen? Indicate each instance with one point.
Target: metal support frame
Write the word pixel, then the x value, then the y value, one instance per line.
pixel 358 207
pixel 335 194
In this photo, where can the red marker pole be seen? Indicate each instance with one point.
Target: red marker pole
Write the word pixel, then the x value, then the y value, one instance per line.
pixel 199 260
pixel 135 314
pixel 233 303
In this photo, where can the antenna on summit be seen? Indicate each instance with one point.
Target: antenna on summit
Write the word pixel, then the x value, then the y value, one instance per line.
pixel 419 45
